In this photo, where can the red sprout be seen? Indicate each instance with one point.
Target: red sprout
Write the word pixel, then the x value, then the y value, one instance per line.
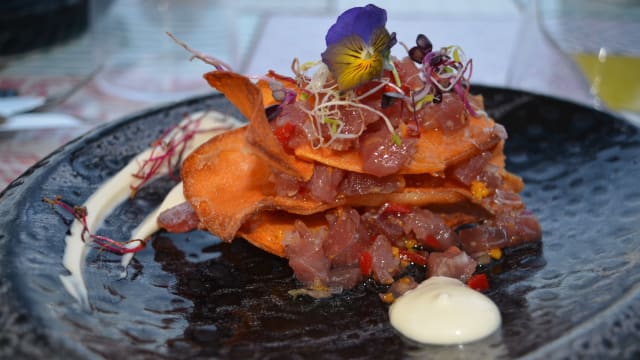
pixel 436 65
pixel 463 91
pixel 290 96
pixel 208 59
pixel 169 149
pixel 415 116
pixel 79 213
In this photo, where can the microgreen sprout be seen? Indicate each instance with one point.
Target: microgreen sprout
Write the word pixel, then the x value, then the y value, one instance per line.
pixel 396 76
pixel 326 110
pixel 444 70
pixel 79 213
pixel 358 52
pixel 328 100
pixel 208 59
pixel 168 150
pixel 395 139
pixel 335 124
pixel 322 87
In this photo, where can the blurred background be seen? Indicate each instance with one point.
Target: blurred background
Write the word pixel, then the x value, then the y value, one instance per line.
pixel 67 66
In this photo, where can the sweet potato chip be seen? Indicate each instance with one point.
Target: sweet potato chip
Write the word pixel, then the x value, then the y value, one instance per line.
pixel 223 199
pixel 435 151
pixel 227 179
pixel 247 97
pixel 266 229
pixel 226 182
pixel 390 165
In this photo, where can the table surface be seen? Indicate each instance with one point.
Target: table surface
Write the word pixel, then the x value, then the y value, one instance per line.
pixel 134 65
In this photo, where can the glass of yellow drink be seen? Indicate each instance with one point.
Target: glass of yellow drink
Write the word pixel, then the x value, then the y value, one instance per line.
pixel 584 50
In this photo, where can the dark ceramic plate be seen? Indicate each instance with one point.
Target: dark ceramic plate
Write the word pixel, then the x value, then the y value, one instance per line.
pixel 190 296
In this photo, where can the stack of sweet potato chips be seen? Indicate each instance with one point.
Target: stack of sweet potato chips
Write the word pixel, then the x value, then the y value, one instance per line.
pixel 227 180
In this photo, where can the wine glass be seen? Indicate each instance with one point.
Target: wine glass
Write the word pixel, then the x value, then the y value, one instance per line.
pixel 582 50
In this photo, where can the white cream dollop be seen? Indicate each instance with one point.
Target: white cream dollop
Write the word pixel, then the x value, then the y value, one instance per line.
pixel 444 311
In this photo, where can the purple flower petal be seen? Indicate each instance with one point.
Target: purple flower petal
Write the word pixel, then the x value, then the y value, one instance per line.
pixel 361 21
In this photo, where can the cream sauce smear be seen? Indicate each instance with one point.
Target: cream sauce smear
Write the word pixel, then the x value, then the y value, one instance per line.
pixel 115 191
pixel 444 311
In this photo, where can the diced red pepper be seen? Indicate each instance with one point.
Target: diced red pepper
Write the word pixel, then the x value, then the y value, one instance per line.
pixel 431 242
pixel 284 132
pixel 393 208
pixel 414 257
pixel 479 282
pixel 366 263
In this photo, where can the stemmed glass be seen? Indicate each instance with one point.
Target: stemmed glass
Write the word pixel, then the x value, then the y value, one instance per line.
pixel 582 50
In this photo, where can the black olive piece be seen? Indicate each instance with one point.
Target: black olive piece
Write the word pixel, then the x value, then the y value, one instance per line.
pixel 389 98
pixel 424 43
pixel 416 54
pixel 437 98
pixel 273 111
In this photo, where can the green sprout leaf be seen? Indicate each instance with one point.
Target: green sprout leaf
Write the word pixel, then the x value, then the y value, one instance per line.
pixel 396 139
pixel 456 54
pixel 333 124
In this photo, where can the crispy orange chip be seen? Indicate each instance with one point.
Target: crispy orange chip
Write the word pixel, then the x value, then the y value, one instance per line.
pixel 226 182
pixel 435 151
pixel 266 229
pixel 229 180
pixel 404 167
pixel 215 198
pixel 247 97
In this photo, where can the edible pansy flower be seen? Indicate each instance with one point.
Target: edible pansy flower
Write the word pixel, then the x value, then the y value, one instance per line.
pixel 358 45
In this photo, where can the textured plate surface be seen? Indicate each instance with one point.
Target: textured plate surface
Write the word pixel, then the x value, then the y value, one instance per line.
pixel 191 296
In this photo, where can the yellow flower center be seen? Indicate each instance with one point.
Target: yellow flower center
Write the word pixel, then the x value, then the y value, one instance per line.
pixel 354 62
